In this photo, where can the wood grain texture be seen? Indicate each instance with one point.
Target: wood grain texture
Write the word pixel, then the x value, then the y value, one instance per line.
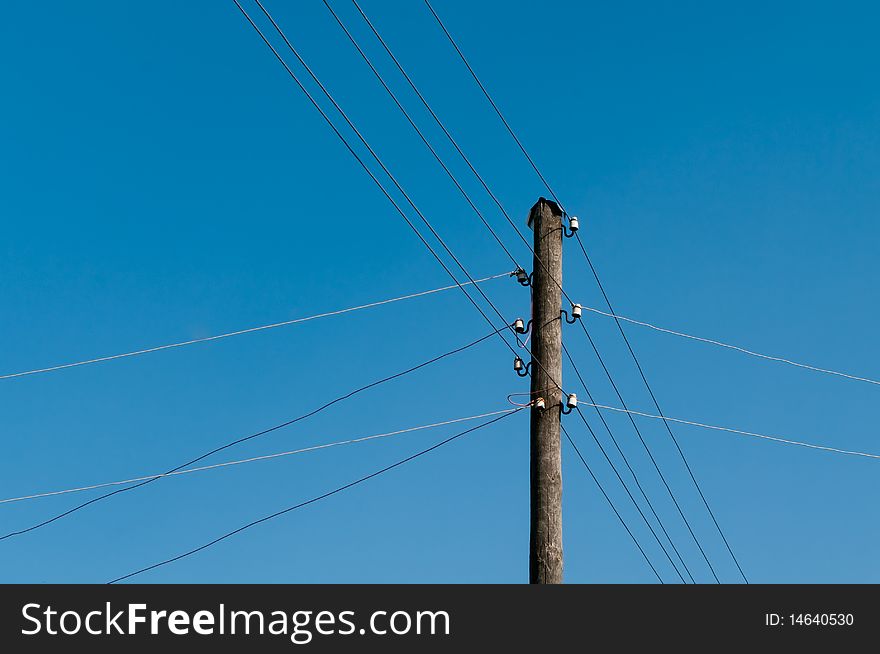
pixel 545 541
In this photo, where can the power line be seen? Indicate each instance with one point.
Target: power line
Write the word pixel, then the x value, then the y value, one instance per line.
pixel 626 462
pixel 366 168
pixel 313 500
pixel 351 125
pixel 611 504
pixel 264 457
pixel 650 455
pixel 418 131
pixel 467 161
pixel 777 439
pixel 248 330
pixel 546 183
pixel 441 125
pixel 737 348
pixel 556 198
pixel 660 411
pixel 635 504
pixel 372 152
pixel 455 144
pixel 378 160
pixel 249 437
pixel 492 102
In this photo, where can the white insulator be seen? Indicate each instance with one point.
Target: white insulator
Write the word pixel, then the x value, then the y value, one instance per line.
pixel 519 326
pixel 573 223
pixel 521 276
pixel 576 310
pixel 517 364
pixel 539 403
pixel 572 401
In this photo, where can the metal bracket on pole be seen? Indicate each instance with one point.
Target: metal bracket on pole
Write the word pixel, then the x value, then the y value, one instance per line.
pixel 521 369
pixel 523 278
pixel 576 312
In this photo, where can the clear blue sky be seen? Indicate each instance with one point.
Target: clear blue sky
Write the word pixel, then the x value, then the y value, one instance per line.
pixel 162 179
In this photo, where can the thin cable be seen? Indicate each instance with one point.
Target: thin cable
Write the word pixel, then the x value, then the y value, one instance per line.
pixel 243 439
pixel 492 102
pixel 440 123
pixel 632 498
pixel 418 131
pixel 376 157
pixel 366 168
pixel 732 347
pixel 478 176
pixel 458 148
pixel 611 504
pixel 314 499
pixel 424 139
pixel 626 462
pixel 382 165
pixel 246 331
pixel 264 457
pixel 370 172
pixel 556 198
pixel 777 439
pixel 659 410
pixel 651 456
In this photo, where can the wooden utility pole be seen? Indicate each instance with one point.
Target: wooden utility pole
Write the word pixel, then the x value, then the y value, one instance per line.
pixel 545 539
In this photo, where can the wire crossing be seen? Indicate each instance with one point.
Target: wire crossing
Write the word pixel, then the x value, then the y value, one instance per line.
pixel 381 164
pixel 366 168
pixel 258 434
pixel 627 464
pixel 777 439
pixel 264 457
pixel 660 411
pixel 375 157
pixel 318 498
pixel 639 508
pixel 598 281
pixel 729 346
pixel 556 198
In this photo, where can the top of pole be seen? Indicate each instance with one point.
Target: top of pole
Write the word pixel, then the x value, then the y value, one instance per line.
pixel 554 208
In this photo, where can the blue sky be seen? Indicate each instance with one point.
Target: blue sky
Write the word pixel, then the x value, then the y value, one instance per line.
pixel 162 179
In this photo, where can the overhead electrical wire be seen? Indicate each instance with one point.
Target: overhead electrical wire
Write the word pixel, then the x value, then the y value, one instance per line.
pixel 636 504
pixel 421 135
pixel 378 160
pixel 741 432
pixel 450 137
pixel 367 169
pixel 611 504
pixel 253 459
pixel 373 153
pixel 249 437
pixel 626 462
pixel 315 499
pixel 351 125
pixel 460 151
pixel 660 411
pixel 249 330
pixel 649 453
pixel 598 281
pixel 728 346
pixel 440 123
pixel 492 102
pixel 455 145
